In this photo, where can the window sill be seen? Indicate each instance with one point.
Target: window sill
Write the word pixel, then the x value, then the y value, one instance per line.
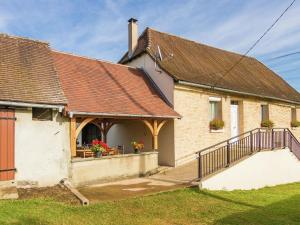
pixel 217 131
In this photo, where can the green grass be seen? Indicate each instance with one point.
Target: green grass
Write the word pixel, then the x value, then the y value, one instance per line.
pixel 268 206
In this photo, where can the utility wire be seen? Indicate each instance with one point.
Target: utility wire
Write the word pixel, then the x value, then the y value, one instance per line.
pixel 283 56
pixel 253 46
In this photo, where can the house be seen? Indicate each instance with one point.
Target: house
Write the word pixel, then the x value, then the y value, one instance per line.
pixel 52 101
pixel 203 83
pixel 173 95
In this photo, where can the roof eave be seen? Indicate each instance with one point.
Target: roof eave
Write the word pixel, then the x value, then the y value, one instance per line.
pixel 59 107
pixel 121 115
pixel 235 92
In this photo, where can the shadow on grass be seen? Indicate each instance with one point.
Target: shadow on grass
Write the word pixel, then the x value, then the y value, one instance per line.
pixel 24 220
pixel 211 195
pixel 279 213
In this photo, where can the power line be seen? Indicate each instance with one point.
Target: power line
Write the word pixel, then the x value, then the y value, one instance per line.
pixel 283 56
pixel 253 46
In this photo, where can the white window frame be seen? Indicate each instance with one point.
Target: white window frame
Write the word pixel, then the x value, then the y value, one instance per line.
pixel 293 114
pixel 215 100
pixel 261 112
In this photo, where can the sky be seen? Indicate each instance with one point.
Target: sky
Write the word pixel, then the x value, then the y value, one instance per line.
pixel 98 28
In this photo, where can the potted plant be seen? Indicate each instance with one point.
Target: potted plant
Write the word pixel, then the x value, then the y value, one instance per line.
pixel 267 124
pixel 137 146
pixel 295 123
pixel 216 124
pixel 98 147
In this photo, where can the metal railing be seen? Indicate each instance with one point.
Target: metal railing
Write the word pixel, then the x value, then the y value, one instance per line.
pixel 223 154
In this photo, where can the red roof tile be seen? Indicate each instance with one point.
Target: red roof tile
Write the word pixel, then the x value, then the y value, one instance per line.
pixel 27 72
pixel 98 87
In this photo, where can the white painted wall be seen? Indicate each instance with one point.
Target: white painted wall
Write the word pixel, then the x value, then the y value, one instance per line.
pixel 127 131
pixel 91 170
pixel 268 168
pixel 162 79
pixel 42 149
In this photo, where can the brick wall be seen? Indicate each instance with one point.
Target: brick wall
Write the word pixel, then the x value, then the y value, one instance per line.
pixel 192 132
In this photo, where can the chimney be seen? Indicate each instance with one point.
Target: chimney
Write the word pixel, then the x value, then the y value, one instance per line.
pixel 132 35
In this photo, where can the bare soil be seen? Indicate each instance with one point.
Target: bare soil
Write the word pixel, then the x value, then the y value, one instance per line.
pixel 56 193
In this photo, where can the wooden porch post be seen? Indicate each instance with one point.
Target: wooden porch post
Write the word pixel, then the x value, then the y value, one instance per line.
pixel 104 127
pixel 154 128
pixel 73 136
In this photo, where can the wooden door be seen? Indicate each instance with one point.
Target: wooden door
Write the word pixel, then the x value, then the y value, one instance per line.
pixel 7 144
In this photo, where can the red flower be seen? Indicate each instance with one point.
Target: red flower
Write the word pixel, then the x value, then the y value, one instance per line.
pixel 101 143
pixel 95 142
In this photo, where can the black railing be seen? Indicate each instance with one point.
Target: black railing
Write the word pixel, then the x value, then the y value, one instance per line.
pixel 221 155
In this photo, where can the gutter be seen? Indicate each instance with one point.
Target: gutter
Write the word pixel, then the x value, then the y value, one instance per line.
pixel 233 91
pixel 72 113
pixel 32 105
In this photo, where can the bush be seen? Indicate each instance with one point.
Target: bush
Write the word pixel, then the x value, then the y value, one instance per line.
pixel 216 124
pixel 295 123
pixel 267 124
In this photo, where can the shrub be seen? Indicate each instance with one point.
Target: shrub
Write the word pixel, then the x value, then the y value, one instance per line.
pixel 216 124
pixel 295 123
pixel 267 124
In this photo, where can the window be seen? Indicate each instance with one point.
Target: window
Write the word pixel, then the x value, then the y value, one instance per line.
pixel 264 113
pixel 41 114
pixel 293 114
pixel 215 108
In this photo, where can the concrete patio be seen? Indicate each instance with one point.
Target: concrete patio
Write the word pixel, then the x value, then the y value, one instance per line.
pixel 169 179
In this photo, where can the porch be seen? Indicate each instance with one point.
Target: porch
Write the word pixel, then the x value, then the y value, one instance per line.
pixel 120 160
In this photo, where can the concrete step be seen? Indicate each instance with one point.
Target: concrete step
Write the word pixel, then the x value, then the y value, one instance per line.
pixel 8 190
pixel 163 169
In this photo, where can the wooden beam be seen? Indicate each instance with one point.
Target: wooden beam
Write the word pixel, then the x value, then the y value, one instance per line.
pixel 73 136
pixel 154 128
pixel 155 135
pixel 106 127
pixel 161 124
pixel 82 125
pixel 149 125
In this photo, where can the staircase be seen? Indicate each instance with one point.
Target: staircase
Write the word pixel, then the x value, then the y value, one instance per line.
pixel 222 155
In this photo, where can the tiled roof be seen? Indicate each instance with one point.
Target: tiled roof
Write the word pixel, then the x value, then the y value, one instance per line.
pixel 202 64
pixel 27 73
pixel 97 87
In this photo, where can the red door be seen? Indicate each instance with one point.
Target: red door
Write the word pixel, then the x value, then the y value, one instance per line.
pixel 7 144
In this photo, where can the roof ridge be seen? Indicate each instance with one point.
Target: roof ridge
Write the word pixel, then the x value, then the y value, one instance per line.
pixel 198 43
pixel 149 42
pixel 95 59
pixel 23 38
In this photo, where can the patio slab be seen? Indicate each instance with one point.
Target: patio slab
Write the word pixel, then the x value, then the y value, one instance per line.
pixel 126 189
pixel 171 179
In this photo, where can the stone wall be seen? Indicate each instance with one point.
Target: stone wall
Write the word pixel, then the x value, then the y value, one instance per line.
pixel 192 132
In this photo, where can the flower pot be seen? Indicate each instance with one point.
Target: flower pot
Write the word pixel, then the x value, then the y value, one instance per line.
pixel 98 154
pixel 136 151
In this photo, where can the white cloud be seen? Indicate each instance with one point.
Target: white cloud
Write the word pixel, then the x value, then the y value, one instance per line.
pixel 99 28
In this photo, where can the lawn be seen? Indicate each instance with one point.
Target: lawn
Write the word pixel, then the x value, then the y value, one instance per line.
pixel 268 206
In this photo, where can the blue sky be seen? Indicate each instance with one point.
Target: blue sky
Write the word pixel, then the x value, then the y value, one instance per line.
pixel 99 28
